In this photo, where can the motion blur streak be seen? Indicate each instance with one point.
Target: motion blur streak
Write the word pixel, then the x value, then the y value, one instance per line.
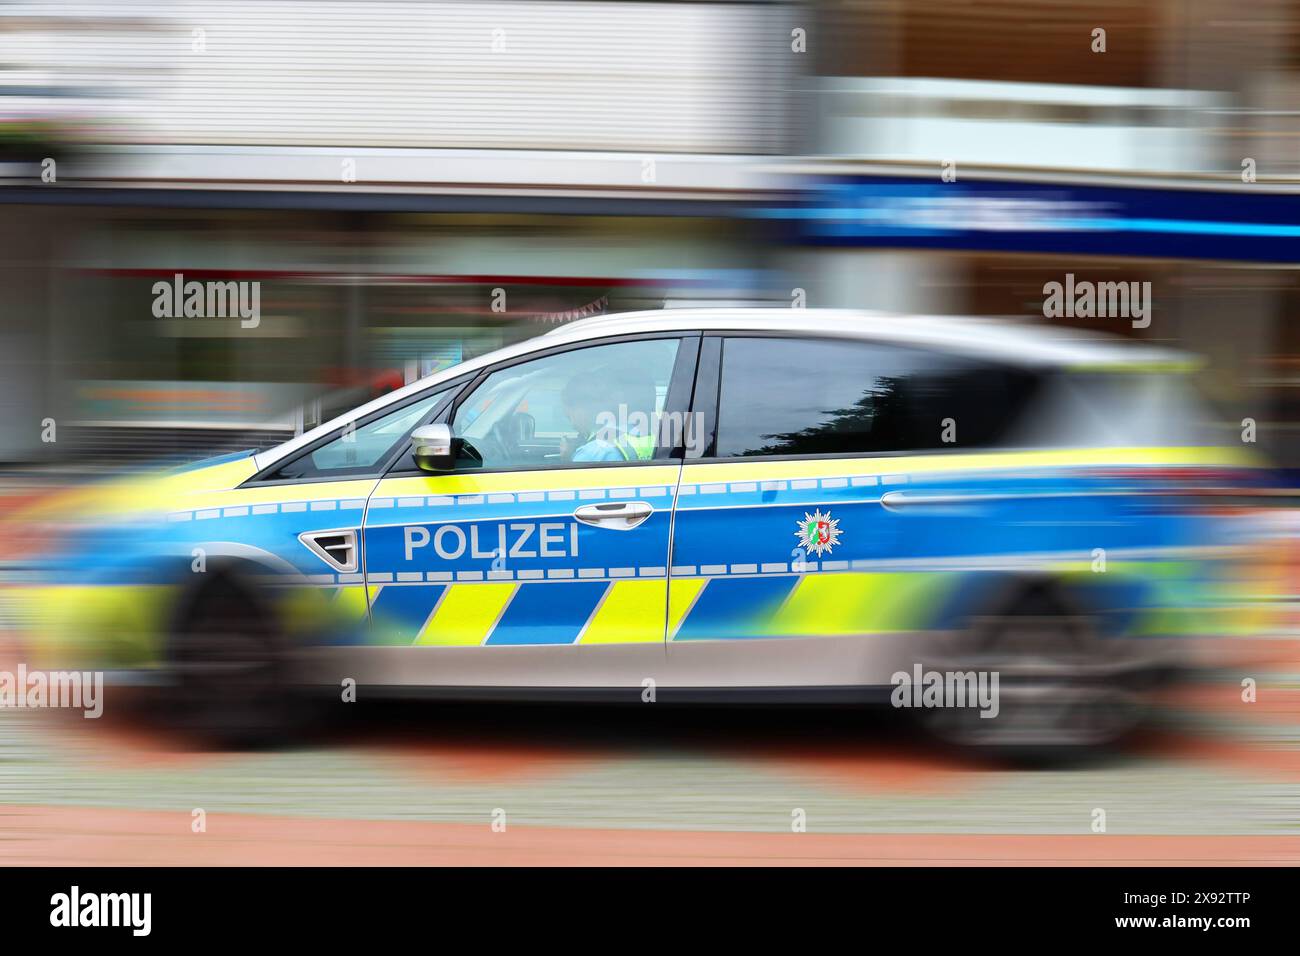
pixel 224 224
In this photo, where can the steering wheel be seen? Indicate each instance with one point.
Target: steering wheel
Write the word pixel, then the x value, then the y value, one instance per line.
pixel 486 448
pixel 504 441
pixel 514 430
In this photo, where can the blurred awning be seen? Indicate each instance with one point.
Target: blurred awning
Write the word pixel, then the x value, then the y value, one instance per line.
pixel 1176 220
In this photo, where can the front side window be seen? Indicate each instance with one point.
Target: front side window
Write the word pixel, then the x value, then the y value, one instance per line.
pixel 601 403
pixel 366 449
pixel 785 396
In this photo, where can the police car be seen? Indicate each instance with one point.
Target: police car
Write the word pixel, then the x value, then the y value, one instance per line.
pixel 687 505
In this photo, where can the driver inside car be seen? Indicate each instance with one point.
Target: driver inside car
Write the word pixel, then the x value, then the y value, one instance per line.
pixel 610 424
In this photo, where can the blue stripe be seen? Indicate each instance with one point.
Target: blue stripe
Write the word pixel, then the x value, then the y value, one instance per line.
pixel 1052 217
pixel 735 607
pixel 548 613
pixel 405 606
pixel 850 222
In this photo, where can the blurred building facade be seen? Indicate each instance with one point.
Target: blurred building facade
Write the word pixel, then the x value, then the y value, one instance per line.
pixel 968 154
pixel 408 183
pixel 413 182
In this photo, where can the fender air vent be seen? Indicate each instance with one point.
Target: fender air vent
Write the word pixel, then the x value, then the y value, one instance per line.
pixel 338 549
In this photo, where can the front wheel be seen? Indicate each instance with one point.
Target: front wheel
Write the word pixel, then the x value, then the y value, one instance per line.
pixel 226 669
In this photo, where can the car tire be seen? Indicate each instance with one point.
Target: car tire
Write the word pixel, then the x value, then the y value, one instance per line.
pixel 1065 693
pixel 226 671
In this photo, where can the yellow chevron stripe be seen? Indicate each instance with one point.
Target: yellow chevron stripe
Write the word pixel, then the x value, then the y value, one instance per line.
pixel 682 593
pixel 632 613
pixel 350 602
pixel 935 464
pixel 827 604
pixel 467 614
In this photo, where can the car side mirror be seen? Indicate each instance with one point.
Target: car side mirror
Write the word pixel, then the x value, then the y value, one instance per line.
pixel 434 448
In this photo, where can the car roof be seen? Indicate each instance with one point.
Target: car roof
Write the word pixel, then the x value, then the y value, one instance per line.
pixel 1013 341
pixel 1016 342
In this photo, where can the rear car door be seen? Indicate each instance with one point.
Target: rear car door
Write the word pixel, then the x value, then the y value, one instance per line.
pixel 542 558
pixel 780 533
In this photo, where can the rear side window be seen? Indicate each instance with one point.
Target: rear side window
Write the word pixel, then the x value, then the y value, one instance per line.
pixel 1125 409
pixel 789 396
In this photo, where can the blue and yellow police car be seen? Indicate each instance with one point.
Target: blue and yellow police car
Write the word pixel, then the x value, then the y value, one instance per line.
pixel 686 505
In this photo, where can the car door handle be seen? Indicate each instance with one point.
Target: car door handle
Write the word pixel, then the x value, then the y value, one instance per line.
pixel 615 515
pixel 898 500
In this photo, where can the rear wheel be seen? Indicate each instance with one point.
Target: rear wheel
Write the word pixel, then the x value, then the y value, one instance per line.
pixel 1063 690
pixel 227 670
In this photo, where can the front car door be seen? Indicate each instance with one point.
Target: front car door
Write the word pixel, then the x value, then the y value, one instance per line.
pixel 542 559
pixel 303 516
